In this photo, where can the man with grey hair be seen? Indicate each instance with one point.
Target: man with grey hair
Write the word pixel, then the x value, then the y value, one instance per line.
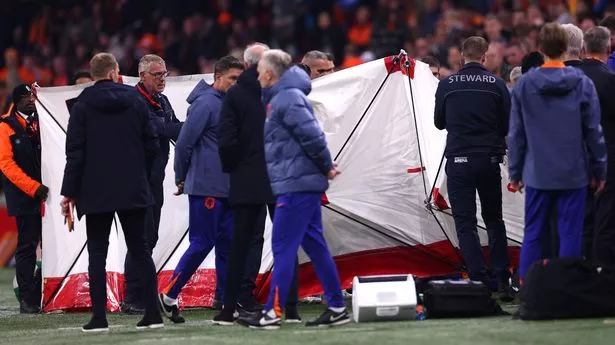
pixel 599 240
pixel 153 73
pixel 299 165
pixel 319 63
pixel 241 148
pixel 575 45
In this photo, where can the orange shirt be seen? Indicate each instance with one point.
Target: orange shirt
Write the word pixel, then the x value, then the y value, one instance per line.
pixel 9 168
pixel 360 35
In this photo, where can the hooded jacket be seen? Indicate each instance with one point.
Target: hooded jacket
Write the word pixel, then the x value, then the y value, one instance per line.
pixel 197 161
pixel 296 152
pixel 110 148
pixel 240 139
pixel 555 131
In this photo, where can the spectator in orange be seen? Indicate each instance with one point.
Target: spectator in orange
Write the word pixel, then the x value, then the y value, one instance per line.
pixel 60 75
pixel 351 58
pixel 361 32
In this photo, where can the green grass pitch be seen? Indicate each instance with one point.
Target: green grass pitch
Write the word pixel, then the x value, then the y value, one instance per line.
pixel 56 329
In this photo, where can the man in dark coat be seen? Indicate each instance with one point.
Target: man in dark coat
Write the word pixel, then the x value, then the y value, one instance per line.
pixel 299 166
pixel 110 148
pixel 242 152
pixel 600 245
pixel 20 164
pixel 153 73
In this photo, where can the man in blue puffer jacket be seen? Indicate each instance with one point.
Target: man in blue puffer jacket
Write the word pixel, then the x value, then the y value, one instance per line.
pixel 198 173
pixel 299 166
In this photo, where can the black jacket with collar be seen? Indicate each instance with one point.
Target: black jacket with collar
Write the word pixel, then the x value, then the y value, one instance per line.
pixel 241 142
pixel 604 81
pixel 473 105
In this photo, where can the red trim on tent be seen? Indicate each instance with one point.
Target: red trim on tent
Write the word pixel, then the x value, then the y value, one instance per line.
pixel 415 170
pixel 324 200
pixel 398 66
pixel 439 199
pixel 199 292
pixel 75 294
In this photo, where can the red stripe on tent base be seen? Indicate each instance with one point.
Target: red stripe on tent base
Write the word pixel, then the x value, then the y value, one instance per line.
pixel 200 290
pixel 74 296
pixel 415 170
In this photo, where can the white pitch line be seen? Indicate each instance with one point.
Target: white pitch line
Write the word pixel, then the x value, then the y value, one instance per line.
pixel 79 328
pixel 333 329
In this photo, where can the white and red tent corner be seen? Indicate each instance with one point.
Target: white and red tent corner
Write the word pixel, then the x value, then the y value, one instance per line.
pixel 378 118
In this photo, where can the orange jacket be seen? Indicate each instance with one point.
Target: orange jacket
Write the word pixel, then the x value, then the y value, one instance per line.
pixel 9 168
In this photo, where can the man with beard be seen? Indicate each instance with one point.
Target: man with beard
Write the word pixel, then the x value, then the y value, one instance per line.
pixel 153 73
pixel 20 163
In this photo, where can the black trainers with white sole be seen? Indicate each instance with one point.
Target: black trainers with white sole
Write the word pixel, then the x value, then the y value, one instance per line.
pixel 329 319
pixel 262 321
pixel 150 322
pixel 225 318
pixel 96 325
pixel 292 315
pixel 171 311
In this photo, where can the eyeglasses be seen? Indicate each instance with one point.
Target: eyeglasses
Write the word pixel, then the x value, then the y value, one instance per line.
pixel 159 75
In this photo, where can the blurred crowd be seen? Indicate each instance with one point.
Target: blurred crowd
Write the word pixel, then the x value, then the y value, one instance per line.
pixel 49 41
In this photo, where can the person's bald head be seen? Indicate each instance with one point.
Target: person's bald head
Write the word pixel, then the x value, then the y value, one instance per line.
pixel 319 63
pixel 253 53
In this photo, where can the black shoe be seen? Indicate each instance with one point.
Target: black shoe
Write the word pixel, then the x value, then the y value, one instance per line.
pixel 262 321
pixel 96 325
pixel 504 291
pixel 27 308
pixel 225 318
pixel 171 311
pixel 151 322
pixel 329 319
pixel 132 309
pixel 250 306
pixel 292 315
pixel 217 305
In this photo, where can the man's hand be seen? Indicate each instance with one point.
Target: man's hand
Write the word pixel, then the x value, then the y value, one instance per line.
pixel 67 204
pixel 42 193
pixel 180 189
pixel 517 186
pixel 598 186
pixel 333 172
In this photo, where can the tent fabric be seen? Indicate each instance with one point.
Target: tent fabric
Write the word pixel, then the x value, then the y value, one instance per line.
pixel 379 127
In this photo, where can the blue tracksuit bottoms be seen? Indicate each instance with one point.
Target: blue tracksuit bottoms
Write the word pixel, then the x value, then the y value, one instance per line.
pixel 298 222
pixel 210 224
pixel 570 205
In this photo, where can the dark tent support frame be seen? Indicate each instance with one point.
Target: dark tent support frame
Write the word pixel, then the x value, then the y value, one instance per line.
pixel 57 289
pixel 407 66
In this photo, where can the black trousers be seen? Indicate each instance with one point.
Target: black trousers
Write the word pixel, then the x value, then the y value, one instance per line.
pixel 28 236
pixel 246 253
pixel 134 291
pixel 465 176
pixel 604 226
pixel 134 226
